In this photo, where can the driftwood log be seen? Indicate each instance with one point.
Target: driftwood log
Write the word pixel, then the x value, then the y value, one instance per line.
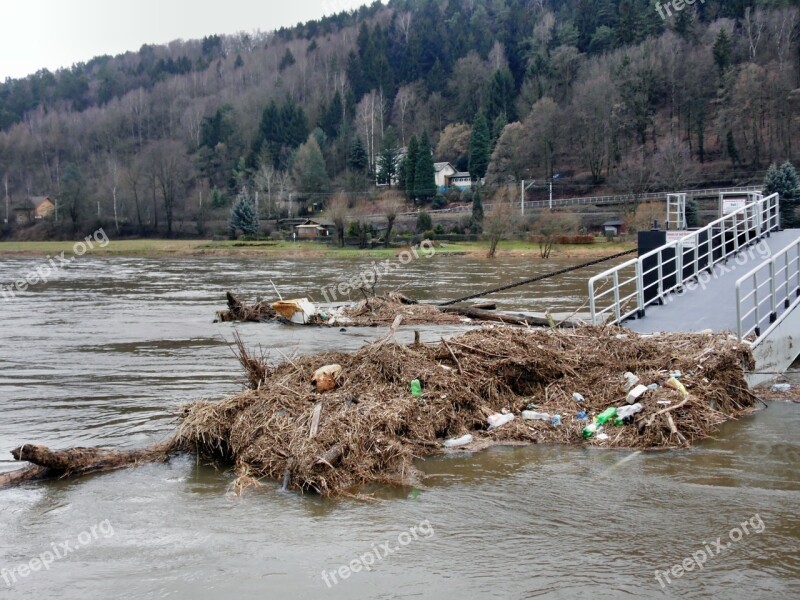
pixel 485 315
pixel 55 464
pixel 239 311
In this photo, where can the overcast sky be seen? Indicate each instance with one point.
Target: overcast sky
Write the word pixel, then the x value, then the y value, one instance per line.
pixel 57 33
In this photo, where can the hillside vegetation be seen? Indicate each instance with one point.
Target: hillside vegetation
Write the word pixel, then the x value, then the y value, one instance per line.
pixel 606 93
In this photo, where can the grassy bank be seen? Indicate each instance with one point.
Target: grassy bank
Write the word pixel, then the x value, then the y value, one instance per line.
pixel 157 248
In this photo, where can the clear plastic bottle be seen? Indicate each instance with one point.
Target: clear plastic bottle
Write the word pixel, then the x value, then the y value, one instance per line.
pixel 532 415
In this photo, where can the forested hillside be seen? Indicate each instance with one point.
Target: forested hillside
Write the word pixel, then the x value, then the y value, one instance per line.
pixel 606 93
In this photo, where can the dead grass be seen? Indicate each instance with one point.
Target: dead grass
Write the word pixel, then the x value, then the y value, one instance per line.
pixel 371 428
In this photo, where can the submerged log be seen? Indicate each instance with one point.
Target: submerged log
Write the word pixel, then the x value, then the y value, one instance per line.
pixel 485 315
pixel 54 464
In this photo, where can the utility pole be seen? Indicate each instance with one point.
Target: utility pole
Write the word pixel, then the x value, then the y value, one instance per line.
pixel 5 183
pixel 522 189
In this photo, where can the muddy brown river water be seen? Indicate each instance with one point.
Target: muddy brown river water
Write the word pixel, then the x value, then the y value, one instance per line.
pixel 106 351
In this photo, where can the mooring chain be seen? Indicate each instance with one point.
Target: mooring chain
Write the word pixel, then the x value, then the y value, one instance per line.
pixel 537 278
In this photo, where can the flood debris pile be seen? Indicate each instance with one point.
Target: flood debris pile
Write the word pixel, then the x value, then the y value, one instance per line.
pixel 392 403
pixel 373 311
pixel 260 312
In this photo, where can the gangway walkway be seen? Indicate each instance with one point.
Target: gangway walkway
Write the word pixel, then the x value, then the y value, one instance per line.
pixel 709 302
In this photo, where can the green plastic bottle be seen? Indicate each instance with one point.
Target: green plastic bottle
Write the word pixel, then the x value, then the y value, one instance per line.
pixel 416 389
pixel 590 430
pixel 605 416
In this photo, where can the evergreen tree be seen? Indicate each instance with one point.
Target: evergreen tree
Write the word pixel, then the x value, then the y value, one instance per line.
pixel 479 147
pixel 308 171
pixel 500 99
pixel 476 222
pixel 733 153
pixel 387 160
pixel 424 222
pixel 243 216
pixel 628 29
pixel 424 174
pixel 410 167
pixel 722 51
pixel 331 119
pixel 287 61
pixel 784 181
pixel 357 157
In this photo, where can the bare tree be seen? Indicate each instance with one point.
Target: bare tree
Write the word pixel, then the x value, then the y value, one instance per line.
pixel 674 168
pixel 503 219
pixel 337 212
pixel 390 204
pixel 549 225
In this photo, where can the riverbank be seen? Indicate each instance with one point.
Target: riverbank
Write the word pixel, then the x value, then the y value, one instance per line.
pixel 160 248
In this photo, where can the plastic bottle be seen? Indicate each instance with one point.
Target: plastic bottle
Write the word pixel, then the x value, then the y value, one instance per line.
pixel 416 389
pixel 456 442
pixel 591 429
pixel 605 416
pixel 532 415
pixel 497 420
pixel 630 380
pixel 582 416
pixel 625 414
pixel 555 421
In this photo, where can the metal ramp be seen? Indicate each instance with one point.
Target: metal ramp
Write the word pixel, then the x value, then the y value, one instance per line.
pixel 739 274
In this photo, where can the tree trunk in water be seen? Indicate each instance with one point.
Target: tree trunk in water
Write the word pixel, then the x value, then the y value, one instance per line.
pixel 78 461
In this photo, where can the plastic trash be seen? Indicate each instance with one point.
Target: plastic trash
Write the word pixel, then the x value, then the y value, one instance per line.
pixel 630 380
pixel 636 393
pixel 602 437
pixel 498 420
pixel 582 416
pixel 653 387
pixel 532 415
pixel 782 387
pixel 416 388
pixel 625 414
pixel 532 406
pixel 605 416
pixel 591 429
pixel 457 442
pixel 676 374
pixel 555 421
pixel 578 398
pixel 677 385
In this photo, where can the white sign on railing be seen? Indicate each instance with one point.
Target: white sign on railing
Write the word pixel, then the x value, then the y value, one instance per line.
pixel 676 236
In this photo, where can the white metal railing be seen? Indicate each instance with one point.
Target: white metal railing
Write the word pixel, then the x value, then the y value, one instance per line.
pixel 666 269
pixel 769 289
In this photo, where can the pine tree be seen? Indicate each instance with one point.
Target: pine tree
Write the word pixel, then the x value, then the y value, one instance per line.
pixel 331 119
pixel 410 167
pixel 387 160
pixel 722 51
pixel 357 157
pixel 308 170
pixel 784 181
pixel 733 153
pixel 424 174
pixel 476 222
pixel 243 216
pixel 479 147
pixel 501 95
